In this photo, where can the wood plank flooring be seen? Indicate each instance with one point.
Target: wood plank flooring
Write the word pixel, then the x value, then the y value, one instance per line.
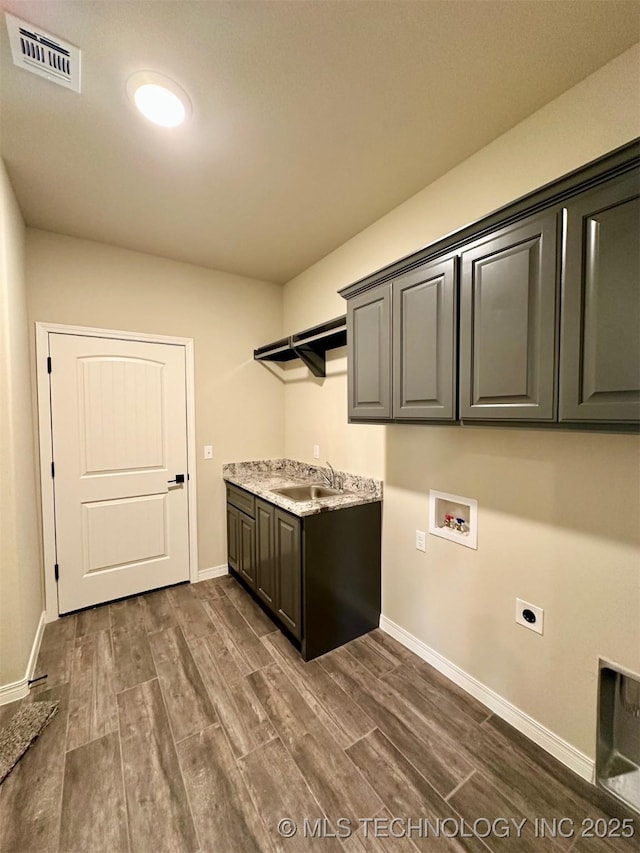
pixel 189 724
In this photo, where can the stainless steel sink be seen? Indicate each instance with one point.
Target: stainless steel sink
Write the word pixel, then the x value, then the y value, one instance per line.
pixel 308 492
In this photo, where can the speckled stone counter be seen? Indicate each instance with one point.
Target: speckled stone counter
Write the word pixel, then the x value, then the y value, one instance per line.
pixel 262 477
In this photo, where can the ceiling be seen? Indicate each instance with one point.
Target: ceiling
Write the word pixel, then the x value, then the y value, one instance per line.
pixel 310 119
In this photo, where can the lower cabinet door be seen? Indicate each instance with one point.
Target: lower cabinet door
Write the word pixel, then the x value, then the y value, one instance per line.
pixel 232 536
pixel 288 571
pixel 265 553
pixel 247 549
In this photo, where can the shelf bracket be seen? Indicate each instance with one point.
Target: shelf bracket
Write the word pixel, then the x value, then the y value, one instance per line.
pixel 315 361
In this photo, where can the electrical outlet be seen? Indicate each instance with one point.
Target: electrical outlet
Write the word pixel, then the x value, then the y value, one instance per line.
pixel 421 540
pixel 529 616
pixel 316 451
pixel 208 451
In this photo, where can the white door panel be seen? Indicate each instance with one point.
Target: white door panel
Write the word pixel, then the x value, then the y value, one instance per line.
pixel 122 406
pixel 119 430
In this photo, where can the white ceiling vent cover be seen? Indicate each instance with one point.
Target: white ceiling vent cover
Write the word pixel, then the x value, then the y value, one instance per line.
pixel 44 54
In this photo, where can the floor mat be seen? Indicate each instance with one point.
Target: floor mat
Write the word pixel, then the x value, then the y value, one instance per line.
pixel 20 733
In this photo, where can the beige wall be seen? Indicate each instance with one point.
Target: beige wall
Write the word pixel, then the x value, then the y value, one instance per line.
pixel 239 404
pixel 558 513
pixel 20 549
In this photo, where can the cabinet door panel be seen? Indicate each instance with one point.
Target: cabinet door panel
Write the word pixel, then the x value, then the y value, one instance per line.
pixel 232 536
pixel 424 340
pixel 287 560
pixel 369 350
pixel 246 548
pixel 600 342
pixel 508 324
pixel 265 553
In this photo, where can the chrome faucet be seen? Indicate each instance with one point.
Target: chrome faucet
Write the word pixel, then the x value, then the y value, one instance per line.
pixel 330 478
pixel 333 479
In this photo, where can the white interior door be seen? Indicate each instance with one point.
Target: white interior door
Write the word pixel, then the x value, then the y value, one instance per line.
pixel 119 427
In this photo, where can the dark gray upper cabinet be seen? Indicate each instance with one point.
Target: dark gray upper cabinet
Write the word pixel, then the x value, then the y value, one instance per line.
pixel 424 342
pixel 369 337
pixel 547 314
pixel 508 323
pixel 600 341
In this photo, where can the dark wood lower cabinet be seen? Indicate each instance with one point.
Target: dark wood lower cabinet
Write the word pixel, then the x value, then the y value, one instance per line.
pixel 241 534
pixel 232 535
pixel 288 570
pixel 278 566
pixel 341 576
pixel 265 554
pixel 247 548
pixel 318 575
pixel 241 544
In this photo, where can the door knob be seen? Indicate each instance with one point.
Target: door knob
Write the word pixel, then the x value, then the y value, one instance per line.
pixel 179 479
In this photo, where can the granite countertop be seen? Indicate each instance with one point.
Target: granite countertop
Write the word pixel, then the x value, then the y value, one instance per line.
pixel 262 477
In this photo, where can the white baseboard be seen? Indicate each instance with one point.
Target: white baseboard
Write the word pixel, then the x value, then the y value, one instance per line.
pixel 213 572
pixel 19 689
pixel 535 731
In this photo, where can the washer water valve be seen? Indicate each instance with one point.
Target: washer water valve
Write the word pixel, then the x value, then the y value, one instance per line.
pixel 453 517
pixel 456 523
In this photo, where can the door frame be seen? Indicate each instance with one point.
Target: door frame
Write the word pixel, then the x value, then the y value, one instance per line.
pixel 45 443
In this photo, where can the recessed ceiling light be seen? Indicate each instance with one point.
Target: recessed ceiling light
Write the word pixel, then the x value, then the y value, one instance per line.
pixel 158 98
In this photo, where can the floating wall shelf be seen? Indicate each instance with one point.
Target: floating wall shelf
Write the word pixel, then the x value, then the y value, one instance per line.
pixel 310 346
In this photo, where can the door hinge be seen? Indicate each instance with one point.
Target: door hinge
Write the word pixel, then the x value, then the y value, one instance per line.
pixel 56 572
pixel 53 469
pixel 48 364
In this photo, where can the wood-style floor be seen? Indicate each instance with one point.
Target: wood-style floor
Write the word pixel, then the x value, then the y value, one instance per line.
pixel 187 722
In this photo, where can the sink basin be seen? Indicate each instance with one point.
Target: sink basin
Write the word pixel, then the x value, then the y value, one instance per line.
pixel 307 492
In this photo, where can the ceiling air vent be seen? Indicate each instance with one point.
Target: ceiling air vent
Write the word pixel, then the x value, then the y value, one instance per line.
pixel 44 54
